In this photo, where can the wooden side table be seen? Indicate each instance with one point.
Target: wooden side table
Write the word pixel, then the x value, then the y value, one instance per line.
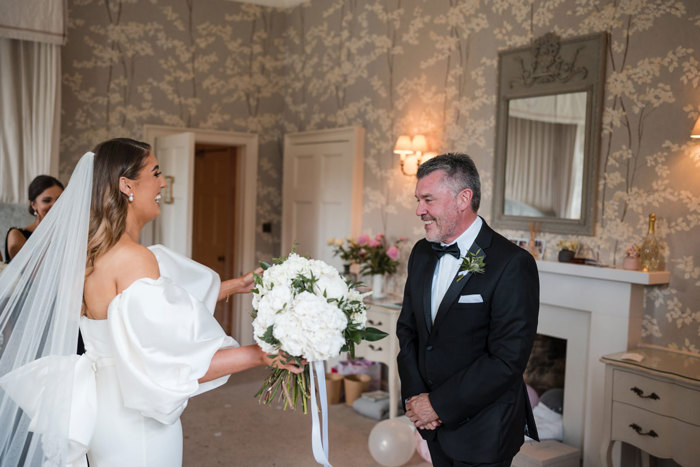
pixel 383 315
pixel 653 404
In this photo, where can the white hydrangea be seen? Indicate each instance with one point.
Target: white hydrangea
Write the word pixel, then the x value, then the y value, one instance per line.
pixel 313 330
pixel 308 324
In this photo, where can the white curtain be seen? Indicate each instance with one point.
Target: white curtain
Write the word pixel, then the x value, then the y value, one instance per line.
pixel 30 80
pixel 540 168
pixel 544 168
pixel 31 35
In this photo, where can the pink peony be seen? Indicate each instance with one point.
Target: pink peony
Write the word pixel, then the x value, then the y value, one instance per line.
pixel 373 243
pixel 363 239
pixel 393 253
pixel 402 239
pixel 379 236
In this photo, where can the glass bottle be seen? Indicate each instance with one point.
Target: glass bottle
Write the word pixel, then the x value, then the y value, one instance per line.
pixel 649 252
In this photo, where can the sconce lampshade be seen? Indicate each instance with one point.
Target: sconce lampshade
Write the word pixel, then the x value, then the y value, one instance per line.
pixel 696 130
pixel 419 144
pixel 403 145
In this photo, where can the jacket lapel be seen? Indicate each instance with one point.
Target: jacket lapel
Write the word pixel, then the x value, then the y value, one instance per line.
pixel 483 238
pixel 427 290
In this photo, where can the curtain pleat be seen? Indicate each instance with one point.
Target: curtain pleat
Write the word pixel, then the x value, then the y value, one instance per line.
pixel 541 166
pixel 29 114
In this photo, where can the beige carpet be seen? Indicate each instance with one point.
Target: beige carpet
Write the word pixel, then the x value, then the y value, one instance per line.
pixel 227 427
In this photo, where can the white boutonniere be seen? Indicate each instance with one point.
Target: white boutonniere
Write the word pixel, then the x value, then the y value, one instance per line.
pixel 473 262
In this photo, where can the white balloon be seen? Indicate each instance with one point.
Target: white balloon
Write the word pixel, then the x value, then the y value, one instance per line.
pixel 392 442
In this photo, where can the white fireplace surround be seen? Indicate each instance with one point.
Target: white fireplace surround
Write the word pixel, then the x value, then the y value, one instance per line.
pixel 598 311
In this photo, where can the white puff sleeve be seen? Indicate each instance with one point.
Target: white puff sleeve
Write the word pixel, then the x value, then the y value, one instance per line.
pixel 164 339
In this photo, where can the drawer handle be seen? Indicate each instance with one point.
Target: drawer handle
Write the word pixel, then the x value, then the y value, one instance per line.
pixel 640 393
pixel 378 323
pixel 638 430
pixel 378 349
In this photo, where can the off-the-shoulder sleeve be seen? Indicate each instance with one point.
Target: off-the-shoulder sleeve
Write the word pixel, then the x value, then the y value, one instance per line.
pixel 164 341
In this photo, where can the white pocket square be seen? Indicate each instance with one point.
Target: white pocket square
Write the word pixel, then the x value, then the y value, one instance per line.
pixel 474 298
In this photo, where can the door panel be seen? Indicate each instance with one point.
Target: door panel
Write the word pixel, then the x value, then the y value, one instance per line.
pixel 213 235
pixel 322 190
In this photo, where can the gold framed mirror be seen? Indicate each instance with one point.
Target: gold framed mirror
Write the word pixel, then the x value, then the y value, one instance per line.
pixel 550 102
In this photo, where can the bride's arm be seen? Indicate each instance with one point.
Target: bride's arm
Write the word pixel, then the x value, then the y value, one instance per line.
pixel 229 361
pixel 238 285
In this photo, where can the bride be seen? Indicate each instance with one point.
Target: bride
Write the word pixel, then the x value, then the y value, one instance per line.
pixel 145 315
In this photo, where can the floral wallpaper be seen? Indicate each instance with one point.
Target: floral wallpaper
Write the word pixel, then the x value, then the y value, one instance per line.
pixel 406 67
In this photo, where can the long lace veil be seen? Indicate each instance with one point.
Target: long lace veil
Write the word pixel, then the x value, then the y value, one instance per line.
pixel 40 300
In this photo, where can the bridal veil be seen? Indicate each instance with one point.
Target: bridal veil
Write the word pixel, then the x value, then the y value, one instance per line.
pixel 41 294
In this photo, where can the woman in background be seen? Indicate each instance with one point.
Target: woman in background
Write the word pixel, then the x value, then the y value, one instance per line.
pixel 43 193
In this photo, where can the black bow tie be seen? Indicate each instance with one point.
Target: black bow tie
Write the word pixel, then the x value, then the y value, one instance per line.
pixel 449 249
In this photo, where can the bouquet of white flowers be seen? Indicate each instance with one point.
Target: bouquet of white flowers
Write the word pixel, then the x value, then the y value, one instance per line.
pixel 304 308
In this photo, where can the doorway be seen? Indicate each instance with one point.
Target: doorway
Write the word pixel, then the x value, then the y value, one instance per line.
pixel 213 229
pixel 179 218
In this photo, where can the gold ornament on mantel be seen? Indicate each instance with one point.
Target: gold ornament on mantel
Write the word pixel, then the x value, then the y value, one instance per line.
pixel 532 246
pixel 649 252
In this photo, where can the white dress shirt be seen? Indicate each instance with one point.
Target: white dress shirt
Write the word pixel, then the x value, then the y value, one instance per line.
pixel 448 266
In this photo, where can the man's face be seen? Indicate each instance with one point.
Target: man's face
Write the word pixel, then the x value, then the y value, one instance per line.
pixel 437 207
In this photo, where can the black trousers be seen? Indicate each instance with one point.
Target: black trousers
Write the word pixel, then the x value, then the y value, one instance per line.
pixel 440 459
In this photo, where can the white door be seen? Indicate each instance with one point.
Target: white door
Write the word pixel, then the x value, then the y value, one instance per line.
pixel 322 190
pixel 173 228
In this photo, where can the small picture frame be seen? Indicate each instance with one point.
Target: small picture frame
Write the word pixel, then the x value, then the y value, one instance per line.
pixel 523 243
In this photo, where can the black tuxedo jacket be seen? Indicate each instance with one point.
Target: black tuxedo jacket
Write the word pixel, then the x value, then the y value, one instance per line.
pixel 471 360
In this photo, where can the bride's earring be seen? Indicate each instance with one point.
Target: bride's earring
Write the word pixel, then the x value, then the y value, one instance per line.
pixel 131 197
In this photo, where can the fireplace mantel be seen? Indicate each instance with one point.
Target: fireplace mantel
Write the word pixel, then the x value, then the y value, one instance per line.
pixel 598 311
pixel 610 274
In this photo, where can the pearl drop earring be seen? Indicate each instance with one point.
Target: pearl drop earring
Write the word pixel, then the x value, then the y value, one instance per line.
pixel 131 197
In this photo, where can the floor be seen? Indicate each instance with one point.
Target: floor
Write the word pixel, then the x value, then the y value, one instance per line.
pixel 228 427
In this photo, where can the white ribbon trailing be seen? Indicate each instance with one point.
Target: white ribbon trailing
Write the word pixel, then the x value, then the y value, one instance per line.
pixel 318 445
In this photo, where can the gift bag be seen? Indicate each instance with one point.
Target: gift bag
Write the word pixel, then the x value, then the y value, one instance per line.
pixel 361 366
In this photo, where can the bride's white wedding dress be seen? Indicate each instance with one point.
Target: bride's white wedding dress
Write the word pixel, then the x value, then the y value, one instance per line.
pixel 140 367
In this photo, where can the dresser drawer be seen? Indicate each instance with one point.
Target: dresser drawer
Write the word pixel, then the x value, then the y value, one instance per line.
pixel 657 396
pixel 377 351
pixel 658 435
pixel 382 320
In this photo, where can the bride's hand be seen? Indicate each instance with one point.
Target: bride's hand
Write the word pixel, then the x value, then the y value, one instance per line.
pixel 246 282
pixel 242 284
pixel 279 361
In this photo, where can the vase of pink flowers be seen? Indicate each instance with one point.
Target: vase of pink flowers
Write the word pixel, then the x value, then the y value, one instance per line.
pixel 631 261
pixel 379 259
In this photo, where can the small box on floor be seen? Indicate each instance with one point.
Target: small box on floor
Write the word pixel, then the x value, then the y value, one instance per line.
pixel 548 453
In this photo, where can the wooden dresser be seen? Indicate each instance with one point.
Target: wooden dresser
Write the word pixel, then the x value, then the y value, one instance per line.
pixel 653 404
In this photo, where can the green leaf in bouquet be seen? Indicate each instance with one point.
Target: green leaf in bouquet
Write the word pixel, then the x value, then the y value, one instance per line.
pixel 269 338
pixel 265 266
pixel 373 334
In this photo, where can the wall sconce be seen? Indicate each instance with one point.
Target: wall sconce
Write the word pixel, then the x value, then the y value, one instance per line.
pixel 695 133
pixel 413 152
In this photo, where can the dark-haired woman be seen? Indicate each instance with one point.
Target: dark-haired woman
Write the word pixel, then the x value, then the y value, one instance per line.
pixel 145 315
pixel 43 193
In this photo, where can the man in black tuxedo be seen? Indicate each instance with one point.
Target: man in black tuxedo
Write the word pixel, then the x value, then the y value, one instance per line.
pixel 467 324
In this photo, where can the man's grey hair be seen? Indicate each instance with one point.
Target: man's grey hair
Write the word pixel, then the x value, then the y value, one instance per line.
pixel 461 173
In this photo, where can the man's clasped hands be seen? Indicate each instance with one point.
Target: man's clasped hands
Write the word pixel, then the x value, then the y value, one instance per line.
pixel 420 411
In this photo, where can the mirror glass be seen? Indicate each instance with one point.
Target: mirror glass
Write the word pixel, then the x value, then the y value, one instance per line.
pixel 544 156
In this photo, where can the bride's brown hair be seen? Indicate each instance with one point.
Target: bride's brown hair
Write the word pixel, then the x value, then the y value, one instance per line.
pixel 119 157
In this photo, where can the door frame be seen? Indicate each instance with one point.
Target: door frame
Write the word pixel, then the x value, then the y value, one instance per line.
pixel 246 206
